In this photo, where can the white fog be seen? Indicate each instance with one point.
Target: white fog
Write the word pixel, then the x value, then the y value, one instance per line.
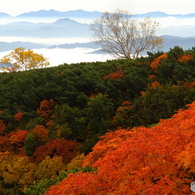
pixel 58 56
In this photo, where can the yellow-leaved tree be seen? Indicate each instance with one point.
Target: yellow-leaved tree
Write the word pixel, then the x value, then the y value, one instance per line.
pixel 24 59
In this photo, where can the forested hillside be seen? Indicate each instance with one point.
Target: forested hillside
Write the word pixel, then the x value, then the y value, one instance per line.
pixel 51 118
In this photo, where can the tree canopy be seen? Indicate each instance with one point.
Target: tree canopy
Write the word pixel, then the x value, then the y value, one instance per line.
pixel 124 37
pixel 24 59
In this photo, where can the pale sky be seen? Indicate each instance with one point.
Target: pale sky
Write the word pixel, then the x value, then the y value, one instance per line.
pixel 16 7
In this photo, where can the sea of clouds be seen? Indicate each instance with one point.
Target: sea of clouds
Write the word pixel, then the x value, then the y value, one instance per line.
pixel 59 56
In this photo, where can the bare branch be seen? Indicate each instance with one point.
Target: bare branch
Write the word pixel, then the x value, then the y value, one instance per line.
pixel 120 35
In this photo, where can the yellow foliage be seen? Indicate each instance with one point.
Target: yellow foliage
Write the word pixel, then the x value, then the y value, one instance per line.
pixel 26 59
pixel 49 168
pixel 16 170
pixel 76 162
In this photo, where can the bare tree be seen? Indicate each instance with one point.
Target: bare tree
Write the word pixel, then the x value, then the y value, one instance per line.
pixel 124 37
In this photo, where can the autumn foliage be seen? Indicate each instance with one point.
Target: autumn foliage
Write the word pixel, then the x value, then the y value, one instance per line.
pixel 185 58
pixel 115 75
pixel 2 127
pixel 156 160
pixel 156 62
pixel 64 148
pixel 26 59
pixel 18 137
pixel 18 116
pixel 155 84
pixel 100 122
pixel 45 108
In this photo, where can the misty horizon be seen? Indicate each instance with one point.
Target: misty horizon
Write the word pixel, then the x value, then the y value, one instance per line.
pixel 173 26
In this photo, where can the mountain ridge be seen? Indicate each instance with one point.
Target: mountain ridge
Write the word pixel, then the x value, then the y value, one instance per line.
pixel 84 13
pixel 66 27
pixel 60 28
pixel 55 13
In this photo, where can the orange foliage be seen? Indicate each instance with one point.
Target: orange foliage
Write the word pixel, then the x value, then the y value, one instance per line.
pixel 18 116
pixel 45 108
pixel 156 160
pixel 155 84
pixel 158 60
pixel 92 95
pixel 126 104
pixel 153 77
pixel 189 84
pixel 45 111
pixel 65 148
pixel 18 137
pixel 115 75
pixel 40 131
pixel 185 58
pixel 143 93
pixel 87 183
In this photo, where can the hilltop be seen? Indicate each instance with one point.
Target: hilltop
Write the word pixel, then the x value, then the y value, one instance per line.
pixel 54 116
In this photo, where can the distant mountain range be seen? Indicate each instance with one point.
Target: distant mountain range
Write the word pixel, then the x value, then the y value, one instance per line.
pixel 159 14
pixel 61 28
pixel 64 26
pixel 58 14
pixel 70 28
pixel 172 41
pixel 83 13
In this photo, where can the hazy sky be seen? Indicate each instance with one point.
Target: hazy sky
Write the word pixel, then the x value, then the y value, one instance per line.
pixel 16 7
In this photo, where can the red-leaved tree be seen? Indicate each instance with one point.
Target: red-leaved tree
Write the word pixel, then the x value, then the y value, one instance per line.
pixel 65 148
pixel 156 160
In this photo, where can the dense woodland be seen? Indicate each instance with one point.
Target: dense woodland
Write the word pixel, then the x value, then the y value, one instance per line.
pixel 97 128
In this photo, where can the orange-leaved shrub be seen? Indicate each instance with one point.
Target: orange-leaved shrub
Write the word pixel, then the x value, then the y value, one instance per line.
pixel 157 61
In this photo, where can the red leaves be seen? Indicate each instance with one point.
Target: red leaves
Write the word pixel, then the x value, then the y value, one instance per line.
pixel 45 111
pixel 65 148
pixel 45 107
pixel 5 144
pixel 156 160
pixel 2 127
pixel 18 137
